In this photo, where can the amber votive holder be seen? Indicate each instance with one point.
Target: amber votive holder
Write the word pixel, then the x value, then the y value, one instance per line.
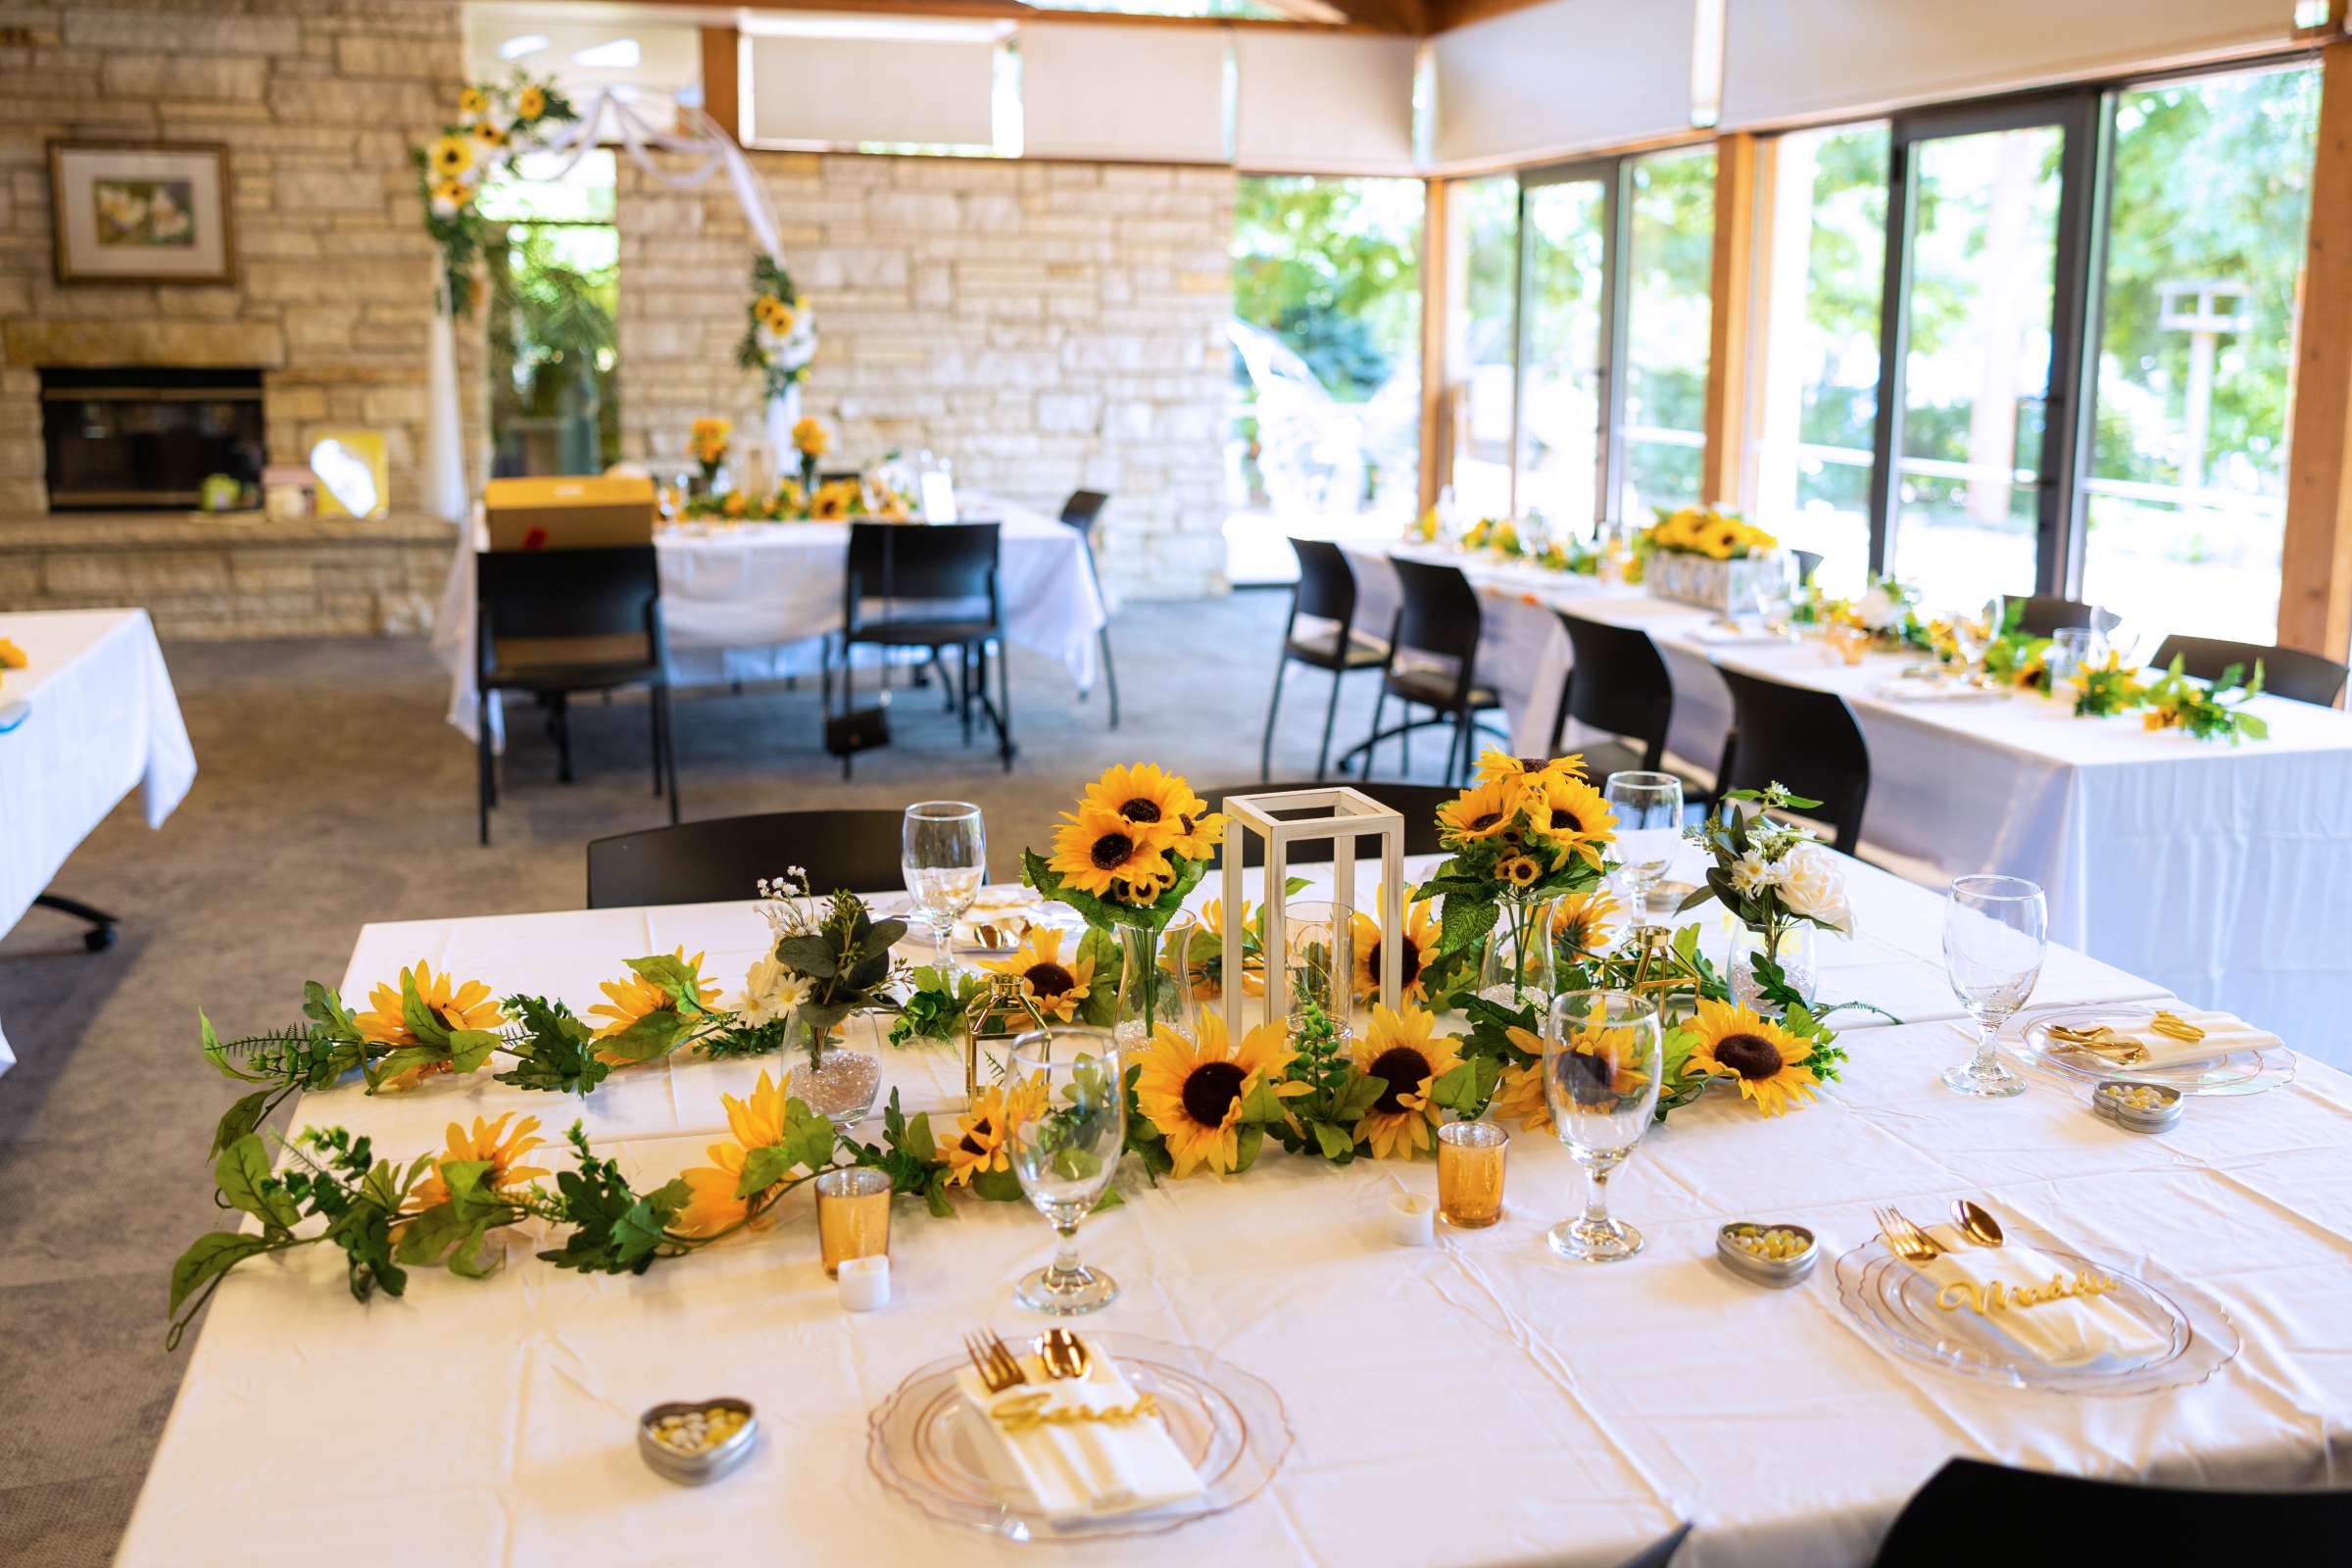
pixel 1470 1158
pixel 852 1216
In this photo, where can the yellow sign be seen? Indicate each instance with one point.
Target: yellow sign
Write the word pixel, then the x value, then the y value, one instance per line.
pixel 1987 1299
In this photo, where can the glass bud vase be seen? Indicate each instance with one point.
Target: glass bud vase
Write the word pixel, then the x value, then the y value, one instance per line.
pixel 1791 946
pixel 830 1078
pixel 1157 983
pixel 1516 967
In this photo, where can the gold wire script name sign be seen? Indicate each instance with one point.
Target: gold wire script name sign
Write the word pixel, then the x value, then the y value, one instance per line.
pixel 1987 1299
pixel 1024 1412
pixel 1000 1007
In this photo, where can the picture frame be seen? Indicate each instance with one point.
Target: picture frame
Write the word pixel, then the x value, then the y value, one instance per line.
pixel 141 212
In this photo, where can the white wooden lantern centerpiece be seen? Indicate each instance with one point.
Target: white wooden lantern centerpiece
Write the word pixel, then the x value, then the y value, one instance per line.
pixel 1344 816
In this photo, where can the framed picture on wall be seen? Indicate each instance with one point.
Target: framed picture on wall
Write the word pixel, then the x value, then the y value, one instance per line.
pixel 141 213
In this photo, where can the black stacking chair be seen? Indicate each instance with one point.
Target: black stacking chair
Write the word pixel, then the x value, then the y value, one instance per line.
pixel 1808 562
pixel 1618 684
pixel 1432 661
pixel 936 588
pixel 703 862
pixel 1082 512
pixel 1417 803
pixel 1970 1513
pixel 1326 593
pixel 2047 614
pixel 1802 738
pixel 2287 672
pixel 553 622
pixel 1659 1553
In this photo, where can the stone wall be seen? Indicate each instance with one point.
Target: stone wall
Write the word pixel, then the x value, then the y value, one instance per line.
pixel 1047 326
pixel 317 102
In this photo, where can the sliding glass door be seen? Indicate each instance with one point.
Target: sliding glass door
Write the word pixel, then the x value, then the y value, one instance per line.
pixel 1565 248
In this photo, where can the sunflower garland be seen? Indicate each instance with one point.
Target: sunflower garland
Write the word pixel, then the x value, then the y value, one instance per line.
pixel 1208 1100
pixel 1416 953
pixel 493 124
pixel 779 334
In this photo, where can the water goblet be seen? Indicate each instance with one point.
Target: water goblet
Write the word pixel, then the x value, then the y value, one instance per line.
pixel 1601 1062
pixel 1650 830
pixel 943 850
pixel 1994 931
pixel 1065 1127
pixel 2073 650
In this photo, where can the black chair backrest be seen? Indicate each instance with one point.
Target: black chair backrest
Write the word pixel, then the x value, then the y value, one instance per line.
pixel 1618 683
pixel 1326 582
pixel 1802 738
pixel 703 862
pixel 1808 562
pixel 1417 803
pixel 892 561
pixel 1083 509
pixel 567 593
pixel 1970 1513
pixel 1438 611
pixel 2046 614
pixel 840 476
pixel 2287 672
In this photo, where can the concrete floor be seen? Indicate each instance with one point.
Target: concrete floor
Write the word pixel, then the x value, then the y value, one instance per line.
pixel 331 794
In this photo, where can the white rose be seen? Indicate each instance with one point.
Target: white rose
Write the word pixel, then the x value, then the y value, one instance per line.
pixel 1879 608
pixel 1812 886
pixel 771 990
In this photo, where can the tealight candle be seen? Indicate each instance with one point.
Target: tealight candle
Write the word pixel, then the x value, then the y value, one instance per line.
pixel 864 1282
pixel 1470 1156
pixel 1412 1220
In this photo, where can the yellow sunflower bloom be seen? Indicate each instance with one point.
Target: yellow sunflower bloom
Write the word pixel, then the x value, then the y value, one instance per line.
pixel 1101 853
pixel 1519 871
pixel 1483 810
pixel 1414 948
pixel 1399 1051
pixel 467 1007
pixel 1571 814
pixel 1160 804
pixel 489 1141
pixel 1580 923
pixel 455 192
pixel 450 156
pixel 809 437
pixel 1192 1089
pixel 757 1122
pixel 1253 964
pixel 1519 1097
pixel 11 655
pixel 472 103
pixel 1767 1060
pixel 530 103
pixel 486 135
pixel 1058 988
pixel 630 998
pixel 977 1145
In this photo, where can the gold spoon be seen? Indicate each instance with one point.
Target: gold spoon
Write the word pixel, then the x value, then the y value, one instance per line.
pixel 1064 1353
pixel 1974 1223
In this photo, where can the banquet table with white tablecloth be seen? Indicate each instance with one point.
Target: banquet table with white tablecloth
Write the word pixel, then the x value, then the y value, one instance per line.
pixel 752 600
pixel 1483 1398
pixel 2220 871
pixel 91 718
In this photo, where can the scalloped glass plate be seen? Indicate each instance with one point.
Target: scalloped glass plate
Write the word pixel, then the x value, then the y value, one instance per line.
pixel 1229 1425
pixel 2238 1072
pixel 1895 1305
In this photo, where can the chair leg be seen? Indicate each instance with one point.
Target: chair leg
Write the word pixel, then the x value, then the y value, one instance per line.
pixel 1457 756
pixel 484 781
pixel 1331 713
pixel 1405 744
pixel 101 933
pixel 1380 703
pixel 1265 744
pixel 653 725
pixel 946 692
pixel 963 688
pixel 669 748
pixel 559 720
pixel 1110 678
pixel 1005 746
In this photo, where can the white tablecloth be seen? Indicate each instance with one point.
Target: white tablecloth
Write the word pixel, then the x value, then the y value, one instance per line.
pixel 90 716
pixel 1480 1402
pixel 750 602
pixel 2223 873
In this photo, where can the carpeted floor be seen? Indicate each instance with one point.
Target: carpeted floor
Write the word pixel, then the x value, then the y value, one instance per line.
pixel 331 794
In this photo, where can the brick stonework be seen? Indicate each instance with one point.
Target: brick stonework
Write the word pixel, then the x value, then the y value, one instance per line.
pixel 317 102
pixel 1047 326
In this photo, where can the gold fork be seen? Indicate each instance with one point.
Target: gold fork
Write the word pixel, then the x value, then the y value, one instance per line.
pixel 1905 1240
pixel 998 1368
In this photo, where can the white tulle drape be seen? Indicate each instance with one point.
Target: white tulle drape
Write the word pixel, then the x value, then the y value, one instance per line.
pixel 641 126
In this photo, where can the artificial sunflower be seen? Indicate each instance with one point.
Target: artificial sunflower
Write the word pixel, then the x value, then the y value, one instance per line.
pixel 489 1141
pixel 451 155
pixel 1057 988
pixel 809 437
pixel 1399 1051
pixel 452 193
pixel 467 1007
pixel 1192 1089
pixel 1580 923
pixel 1519 871
pixel 757 1122
pixel 1418 940
pixel 977 1145
pixel 834 501
pixel 530 103
pixel 1208 987
pixel 11 655
pixel 1101 853
pixel 488 134
pixel 1519 1097
pixel 1161 804
pixel 472 103
pixel 1571 814
pixel 1483 810
pixel 1767 1060
pixel 631 999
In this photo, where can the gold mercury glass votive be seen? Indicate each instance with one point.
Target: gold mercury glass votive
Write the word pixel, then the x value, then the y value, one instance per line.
pixel 852 1216
pixel 1470 1156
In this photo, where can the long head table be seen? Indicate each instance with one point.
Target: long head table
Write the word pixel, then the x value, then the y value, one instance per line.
pixel 1480 1402
pixel 2220 872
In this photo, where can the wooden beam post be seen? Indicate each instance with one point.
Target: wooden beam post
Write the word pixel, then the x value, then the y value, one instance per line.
pixel 721 81
pixel 1437 291
pixel 1722 462
pixel 2315 591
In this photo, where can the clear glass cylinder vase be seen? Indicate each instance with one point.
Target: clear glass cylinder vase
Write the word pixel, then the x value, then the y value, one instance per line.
pixel 1516 967
pixel 1157 982
pixel 830 1078
pixel 1789 944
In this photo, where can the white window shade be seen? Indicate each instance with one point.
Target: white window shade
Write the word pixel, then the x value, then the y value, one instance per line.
pixel 1339 103
pixel 1563 77
pixel 1148 94
pixel 1792 60
pixel 844 91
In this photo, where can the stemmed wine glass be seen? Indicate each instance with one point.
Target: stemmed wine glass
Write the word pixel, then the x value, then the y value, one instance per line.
pixel 1650 830
pixel 943 850
pixel 1994 931
pixel 1064 1131
pixel 1972 634
pixel 1602 1061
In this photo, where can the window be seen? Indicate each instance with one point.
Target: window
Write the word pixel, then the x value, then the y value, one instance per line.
pixel 1669 277
pixel 1482 339
pixel 1561 352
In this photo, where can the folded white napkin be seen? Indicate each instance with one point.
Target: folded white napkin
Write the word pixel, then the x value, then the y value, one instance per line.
pixel 1079 1470
pixel 2224 1032
pixel 2071 1331
pixel 1918 689
pixel 1715 634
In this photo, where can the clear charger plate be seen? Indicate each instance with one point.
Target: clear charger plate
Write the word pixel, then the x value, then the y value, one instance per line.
pixel 2236 1072
pixel 1895 1305
pixel 1229 1425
